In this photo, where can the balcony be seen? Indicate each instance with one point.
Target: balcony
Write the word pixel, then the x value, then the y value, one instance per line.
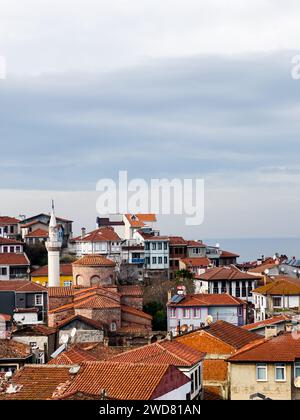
pixel 138 260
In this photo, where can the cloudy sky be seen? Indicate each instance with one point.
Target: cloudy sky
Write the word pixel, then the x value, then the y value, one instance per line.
pixel 172 88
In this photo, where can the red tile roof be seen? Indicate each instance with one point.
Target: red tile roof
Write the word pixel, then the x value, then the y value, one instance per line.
pixel 54 292
pixel 283 348
pixel 196 262
pixel 95 324
pixel 38 330
pixel 38 382
pixel 14 259
pixel 231 334
pixel 281 286
pixel 38 233
pixel 123 381
pixel 271 321
pixel 177 240
pixel 6 220
pixel 73 356
pixel 103 234
pixel 95 261
pixel 140 220
pixel 133 311
pixel 10 349
pixel 227 254
pixel 134 291
pixel 96 301
pixel 230 273
pixel 196 244
pixel 162 352
pixel 65 270
pixel 21 286
pixel 208 300
pixel 7 241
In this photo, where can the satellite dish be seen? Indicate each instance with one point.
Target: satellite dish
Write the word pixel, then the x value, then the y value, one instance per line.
pixel 65 338
pixel 209 319
pixel 297 382
pixel 73 332
pixel 267 271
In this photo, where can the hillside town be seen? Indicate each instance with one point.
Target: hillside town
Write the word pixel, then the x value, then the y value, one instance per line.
pixel 127 312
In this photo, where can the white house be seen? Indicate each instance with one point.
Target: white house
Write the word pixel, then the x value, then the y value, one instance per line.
pixel 10 245
pixel 135 222
pixel 102 241
pixel 9 227
pixel 157 250
pixel 275 297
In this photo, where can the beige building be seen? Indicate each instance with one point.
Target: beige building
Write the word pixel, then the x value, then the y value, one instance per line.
pixel 269 369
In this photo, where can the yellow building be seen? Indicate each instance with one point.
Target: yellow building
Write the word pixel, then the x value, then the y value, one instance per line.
pixel 40 275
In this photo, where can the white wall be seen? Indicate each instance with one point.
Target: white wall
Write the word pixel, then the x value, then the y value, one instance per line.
pixel 177 394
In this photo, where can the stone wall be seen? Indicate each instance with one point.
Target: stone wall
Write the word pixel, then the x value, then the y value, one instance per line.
pixel 93 276
pixel 135 302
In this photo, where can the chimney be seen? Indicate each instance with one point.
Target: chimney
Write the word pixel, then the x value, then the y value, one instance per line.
pixel 83 232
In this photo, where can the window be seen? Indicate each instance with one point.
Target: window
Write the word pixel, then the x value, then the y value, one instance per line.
pixel 166 260
pixel 166 245
pixel 67 283
pixel 280 372
pixel 113 326
pixel 192 383
pixel 18 249
pixel 153 260
pixel 237 290
pixel 11 249
pixel 38 300
pixel 148 260
pixel 154 246
pixel 3 271
pixel 197 313
pixel 159 245
pixel 5 249
pixel 11 229
pixel 147 246
pixel 277 302
pixel 196 379
pixel 297 370
pixel 160 260
pixel 33 344
pixel 240 311
pixel 186 313
pixel 261 372
pixel 173 313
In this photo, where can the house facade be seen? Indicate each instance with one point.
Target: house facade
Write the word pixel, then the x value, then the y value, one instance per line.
pixel 189 312
pixel 9 227
pixel 10 246
pixel 270 368
pixel 26 302
pixel 14 266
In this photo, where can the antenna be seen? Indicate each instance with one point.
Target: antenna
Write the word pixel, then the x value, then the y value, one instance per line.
pixel 73 332
pixel 65 338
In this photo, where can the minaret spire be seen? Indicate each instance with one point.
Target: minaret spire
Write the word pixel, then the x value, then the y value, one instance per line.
pixel 53 245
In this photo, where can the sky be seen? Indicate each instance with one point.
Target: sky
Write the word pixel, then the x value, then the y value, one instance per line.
pixel 162 89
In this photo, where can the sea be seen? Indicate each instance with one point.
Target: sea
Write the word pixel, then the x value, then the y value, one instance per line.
pixel 251 249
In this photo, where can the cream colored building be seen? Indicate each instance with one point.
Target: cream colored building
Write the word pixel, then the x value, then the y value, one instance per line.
pixel 268 370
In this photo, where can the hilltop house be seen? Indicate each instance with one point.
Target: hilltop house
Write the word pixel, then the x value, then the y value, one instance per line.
pixel 9 227
pixel 10 246
pixel 14 266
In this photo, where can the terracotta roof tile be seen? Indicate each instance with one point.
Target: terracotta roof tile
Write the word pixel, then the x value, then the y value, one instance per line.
pixel 60 291
pixel 122 381
pixel 96 324
pixel 14 259
pixel 283 348
pixel 65 270
pixel 162 352
pixel 271 321
pixel 227 254
pixel 203 300
pixel 38 233
pixel 95 261
pixel 136 312
pixel 134 291
pixel 230 273
pixel 38 382
pixel 140 220
pixel 103 234
pixel 7 241
pixel 6 220
pixel 21 286
pixel 196 262
pixel 281 286
pixel 73 356
pixel 10 349
pixel 177 240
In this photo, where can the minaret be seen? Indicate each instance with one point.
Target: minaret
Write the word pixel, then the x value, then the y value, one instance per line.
pixel 53 246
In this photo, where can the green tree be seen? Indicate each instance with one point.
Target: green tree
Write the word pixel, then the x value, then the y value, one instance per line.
pixel 185 278
pixel 37 254
pixel 158 312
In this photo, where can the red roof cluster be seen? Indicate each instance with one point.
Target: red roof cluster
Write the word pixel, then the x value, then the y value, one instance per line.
pixel 204 300
pixel 11 258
